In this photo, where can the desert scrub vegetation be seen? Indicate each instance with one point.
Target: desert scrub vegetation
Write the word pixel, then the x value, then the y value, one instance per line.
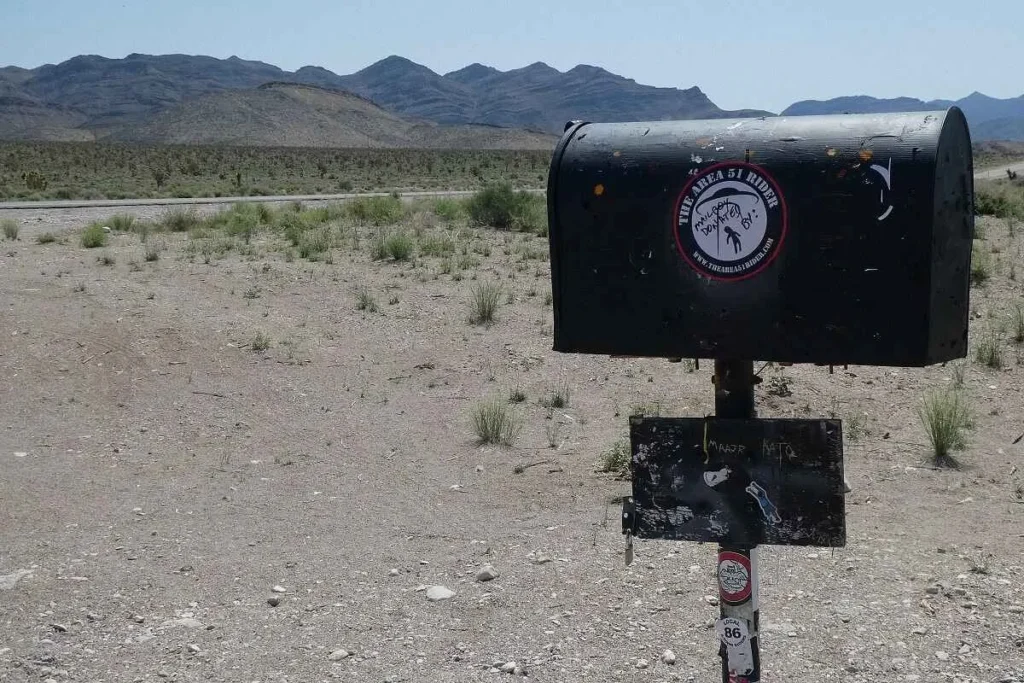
pixel 981 265
pixel 10 228
pixel 557 397
pixel 495 423
pixel 946 420
pixel 67 170
pixel 501 207
pixel 180 220
pixel 1002 199
pixel 94 236
pixel 484 300
pixel 989 349
pixel 365 300
pixel 616 459
pixel 260 342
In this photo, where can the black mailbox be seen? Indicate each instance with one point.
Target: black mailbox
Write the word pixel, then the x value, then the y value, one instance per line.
pixel 819 239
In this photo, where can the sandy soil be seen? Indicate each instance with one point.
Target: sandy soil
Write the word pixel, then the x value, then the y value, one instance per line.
pixel 160 479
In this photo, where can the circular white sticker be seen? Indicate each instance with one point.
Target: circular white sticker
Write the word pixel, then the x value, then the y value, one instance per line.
pixel 734 578
pixel 732 632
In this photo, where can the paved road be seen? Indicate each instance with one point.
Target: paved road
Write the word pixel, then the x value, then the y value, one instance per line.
pixel 988 174
pixel 1000 171
pixel 98 203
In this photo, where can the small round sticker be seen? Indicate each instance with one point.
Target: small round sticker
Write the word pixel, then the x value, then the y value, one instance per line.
pixel 734 577
pixel 730 220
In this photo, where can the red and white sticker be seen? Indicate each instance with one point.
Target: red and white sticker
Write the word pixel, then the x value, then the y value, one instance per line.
pixel 734 584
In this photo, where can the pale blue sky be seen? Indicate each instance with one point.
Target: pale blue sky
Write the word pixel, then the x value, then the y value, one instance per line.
pixel 755 53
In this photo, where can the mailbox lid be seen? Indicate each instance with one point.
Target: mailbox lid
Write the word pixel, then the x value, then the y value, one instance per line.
pixel 846 280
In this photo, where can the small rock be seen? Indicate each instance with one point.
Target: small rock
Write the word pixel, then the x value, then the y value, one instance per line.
pixel 542 559
pixel 186 622
pixel 487 573
pixel 711 600
pixel 965 649
pixel 339 655
pixel 92 616
pixel 942 656
pixel 59 628
pixel 508 667
pixel 642 664
pixel 479 468
pixel 278 589
pixel 932 590
pixel 194 649
pixel 958 592
pixel 1016 609
pixel 436 593
pixel 393 572
pixel 519 671
pixel 9 581
pixel 920 631
pixel 845 618
pixel 273 601
pixel 668 657
pixel 139 619
pixel 846 486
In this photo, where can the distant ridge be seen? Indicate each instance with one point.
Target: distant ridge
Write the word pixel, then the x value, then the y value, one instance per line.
pixel 990 118
pixel 90 97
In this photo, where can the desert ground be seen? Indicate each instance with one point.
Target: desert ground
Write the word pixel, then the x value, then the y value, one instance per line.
pixel 224 461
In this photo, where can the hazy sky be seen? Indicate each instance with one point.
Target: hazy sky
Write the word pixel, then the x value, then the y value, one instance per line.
pixel 762 54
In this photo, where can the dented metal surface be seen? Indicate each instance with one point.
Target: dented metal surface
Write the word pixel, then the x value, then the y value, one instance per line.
pixel 864 257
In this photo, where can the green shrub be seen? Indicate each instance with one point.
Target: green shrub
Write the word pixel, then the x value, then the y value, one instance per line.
pixel 180 220
pixel 946 419
pixel 11 228
pixel 1002 200
pixel 617 459
pixel 260 342
pixel 399 246
pixel 315 243
pixel 46 238
pixel 989 350
pixel 437 245
pixel 122 222
pixel 379 246
pixel 449 209
pixel 94 236
pixel 365 300
pixel 495 423
pixel 981 266
pixel 376 210
pixel 484 302
pixel 558 397
pixel 501 207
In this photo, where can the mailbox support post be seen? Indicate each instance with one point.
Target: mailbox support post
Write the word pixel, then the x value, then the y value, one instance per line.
pixel 734 398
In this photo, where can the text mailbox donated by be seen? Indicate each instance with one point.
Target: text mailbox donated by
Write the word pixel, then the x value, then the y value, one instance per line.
pixel 817 239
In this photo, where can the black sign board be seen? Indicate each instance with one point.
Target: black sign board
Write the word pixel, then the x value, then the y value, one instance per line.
pixel 841 239
pixel 737 482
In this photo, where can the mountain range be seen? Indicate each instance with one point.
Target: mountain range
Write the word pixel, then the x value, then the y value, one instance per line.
pixel 392 103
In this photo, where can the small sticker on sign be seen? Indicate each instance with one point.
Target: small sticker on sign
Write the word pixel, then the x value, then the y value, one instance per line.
pixel 734 577
pixel 739 653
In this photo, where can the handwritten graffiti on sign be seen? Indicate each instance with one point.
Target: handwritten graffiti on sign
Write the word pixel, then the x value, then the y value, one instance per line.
pixel 738 482
pixel 730 220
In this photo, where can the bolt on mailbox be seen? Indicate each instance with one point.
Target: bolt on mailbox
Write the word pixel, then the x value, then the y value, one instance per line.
pixel 840 239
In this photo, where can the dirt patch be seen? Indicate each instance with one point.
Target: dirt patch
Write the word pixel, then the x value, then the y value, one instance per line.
pixel 176 505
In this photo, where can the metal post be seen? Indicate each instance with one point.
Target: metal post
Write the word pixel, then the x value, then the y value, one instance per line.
pixel 737 568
